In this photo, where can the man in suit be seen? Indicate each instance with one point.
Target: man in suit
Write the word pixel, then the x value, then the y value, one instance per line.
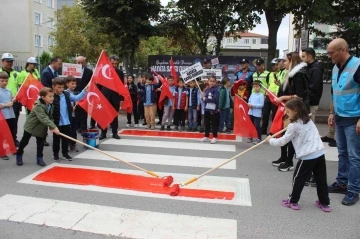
pixel 114 98
pixel 48 74
pixel 51 71
pixel 81 84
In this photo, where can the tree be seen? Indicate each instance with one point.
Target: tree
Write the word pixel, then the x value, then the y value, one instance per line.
pixel 44 60
pixel 77 33
pixel 126 20
pixel 154 46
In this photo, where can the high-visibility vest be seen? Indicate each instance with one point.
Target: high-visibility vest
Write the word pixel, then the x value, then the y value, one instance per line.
pixel 24 73
pixel 262 78
pixel 12 83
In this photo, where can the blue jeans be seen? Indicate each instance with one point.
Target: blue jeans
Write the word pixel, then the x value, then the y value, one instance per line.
pixel 348 144
pixel 224 118
pixel 192 117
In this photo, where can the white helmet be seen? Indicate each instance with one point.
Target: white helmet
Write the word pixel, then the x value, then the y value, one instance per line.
pixel 274 61
pixel 32 60
pixel 7 57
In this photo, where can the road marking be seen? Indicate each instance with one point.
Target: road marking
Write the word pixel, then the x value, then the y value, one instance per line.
pixel 112 221
pixel 158 159
pixel 172 145
pixel 240 186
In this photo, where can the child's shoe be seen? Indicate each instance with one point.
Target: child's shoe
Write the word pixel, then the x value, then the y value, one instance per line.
pixel 324 208
pixel 136 126
pixel 213 141
pixel 256 141
pixel 153 127
pixel 250 140
pixel 176 128
pixel 19 160
pixel 127 125
pixel 205 139
pixel 162 127
pixel 287 203
pixel 67 157
pixel 40 162
pixel 168 128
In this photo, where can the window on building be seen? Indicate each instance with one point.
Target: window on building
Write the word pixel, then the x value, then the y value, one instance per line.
pixel 37 18
pixel 50 23
pixel 254 41
pixel 49 3
pixel 246 41
pixel 50 41
pixel 264 41
pixel 38 1
pixel 38 40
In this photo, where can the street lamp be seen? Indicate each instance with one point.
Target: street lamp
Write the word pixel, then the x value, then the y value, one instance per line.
pixel 38 46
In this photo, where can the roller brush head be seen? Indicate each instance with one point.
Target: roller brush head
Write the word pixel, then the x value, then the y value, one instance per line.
pixel 168 181
pixel 175 190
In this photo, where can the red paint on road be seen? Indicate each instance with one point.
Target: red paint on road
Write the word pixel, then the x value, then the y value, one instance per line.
pixel 109 179
pixel 172 134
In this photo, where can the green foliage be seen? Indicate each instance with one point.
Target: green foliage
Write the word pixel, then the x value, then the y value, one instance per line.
pixel 44 60
pixel 77 33
pixel 154 46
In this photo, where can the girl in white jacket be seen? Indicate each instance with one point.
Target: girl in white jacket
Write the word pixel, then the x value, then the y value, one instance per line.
pixel 310 152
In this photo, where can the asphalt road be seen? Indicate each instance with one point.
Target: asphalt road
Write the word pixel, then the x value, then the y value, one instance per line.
pixel 261 217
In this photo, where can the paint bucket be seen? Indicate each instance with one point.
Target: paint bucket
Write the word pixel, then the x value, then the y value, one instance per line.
pixel 91 137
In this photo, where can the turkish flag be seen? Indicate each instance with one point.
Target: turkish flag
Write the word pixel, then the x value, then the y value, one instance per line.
pixel 98 107
pixel 173 72
pixel 165 90
pixel 105 75
pixel 7 145
pixel 242 123
pixel 273 98
pixel 29 91
pixel 277 123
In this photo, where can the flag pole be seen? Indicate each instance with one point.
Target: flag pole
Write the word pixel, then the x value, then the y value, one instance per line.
pixel 241 99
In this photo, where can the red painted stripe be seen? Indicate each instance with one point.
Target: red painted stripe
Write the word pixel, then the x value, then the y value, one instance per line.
pixel 173 134
pixel 108 179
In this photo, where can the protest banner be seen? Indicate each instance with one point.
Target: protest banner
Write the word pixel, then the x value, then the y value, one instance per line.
pixel 192 72
pixel 209 72
pixel 215 61
pixel 69 69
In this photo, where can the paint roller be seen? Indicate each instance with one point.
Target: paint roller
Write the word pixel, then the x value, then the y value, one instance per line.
pixel 167 179
pixel 176 187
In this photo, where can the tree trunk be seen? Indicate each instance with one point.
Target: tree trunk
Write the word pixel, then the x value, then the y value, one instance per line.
pixel 132 60
pixel 125 64
pixel 273 22
pixel 218 44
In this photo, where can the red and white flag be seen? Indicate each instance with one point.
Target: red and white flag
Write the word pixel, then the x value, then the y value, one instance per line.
pixel 29 91
pixel 7 145
pixel 105 75
pixel 242 123
pixel 273 98
pixel 98 107
pixel 173 72
pixel 165 90
pixel 278 123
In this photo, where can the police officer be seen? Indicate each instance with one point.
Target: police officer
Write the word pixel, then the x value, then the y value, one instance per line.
pixel 7 61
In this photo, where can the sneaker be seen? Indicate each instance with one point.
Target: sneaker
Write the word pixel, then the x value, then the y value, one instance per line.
pixel 287 203
pixel 278 162
pixel 250 140
pixel 326 139
pixel 144 124
pixel 5 157
pixel 350 198
pixel 153 127
pixel 162 127
pixel 168 128
pixel 205 139
pixel 324 208
pixel 73 148
pixel 213 141
pixel 228 131
pixel 256 141
pixel 337 188
pixel 176 128
pixel 332 143
pixel 136 126
pixel 56 158
pixel 285 167
pixel 40 162
pixel 147 127
pixel 19 160
pixel 127 125
pixel 67 157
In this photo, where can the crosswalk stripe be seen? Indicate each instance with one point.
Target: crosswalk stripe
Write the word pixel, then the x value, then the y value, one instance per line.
pixel 240 186
pixel 158 159
pixel 172 145
pixel 111 220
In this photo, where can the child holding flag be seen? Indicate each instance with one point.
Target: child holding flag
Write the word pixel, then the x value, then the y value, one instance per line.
pixel 256 103
pixel 168 107
pixel 6 107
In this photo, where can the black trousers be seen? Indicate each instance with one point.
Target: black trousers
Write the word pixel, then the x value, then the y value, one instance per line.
pixel 25 141
pixel 268 107
pixel 115 123
pixel 141 111
pixel 160 113
pixel 73 130
pixel 179 117
pixel 287 153
pixel 17 108
pixel 81 118
pixel 135 113
pixel 12 123
pixel 303 171
pixel 65 129
pixel 211 119
pixel 199 117
pixel 92 123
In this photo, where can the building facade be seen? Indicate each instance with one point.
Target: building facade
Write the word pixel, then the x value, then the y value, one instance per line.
pixel 26 26
pixel 242 40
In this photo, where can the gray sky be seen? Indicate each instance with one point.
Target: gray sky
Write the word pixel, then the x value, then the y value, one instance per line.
pixel 283 33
